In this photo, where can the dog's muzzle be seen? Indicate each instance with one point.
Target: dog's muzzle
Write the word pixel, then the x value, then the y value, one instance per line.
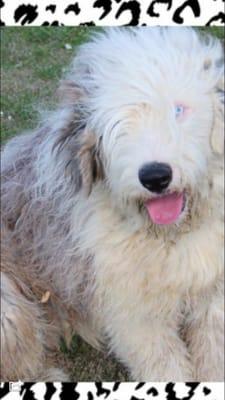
pixel 165 207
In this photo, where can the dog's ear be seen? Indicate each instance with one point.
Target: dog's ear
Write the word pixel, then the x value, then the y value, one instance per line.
pixel 217 135
pixel 82 157
pixel 90 161
pixel 79 145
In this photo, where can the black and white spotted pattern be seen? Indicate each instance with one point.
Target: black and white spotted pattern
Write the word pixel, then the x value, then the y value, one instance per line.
pixel 112 12
pixel 112 391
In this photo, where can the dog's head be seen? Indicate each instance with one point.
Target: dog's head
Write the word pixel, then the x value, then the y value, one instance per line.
pixel 153 102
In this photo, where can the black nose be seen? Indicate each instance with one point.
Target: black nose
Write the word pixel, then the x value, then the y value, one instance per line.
pixel 155 176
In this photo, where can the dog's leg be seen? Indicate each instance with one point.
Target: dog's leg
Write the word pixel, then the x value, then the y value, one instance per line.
pixel 23 354
pixel 205 335
pixel 151 350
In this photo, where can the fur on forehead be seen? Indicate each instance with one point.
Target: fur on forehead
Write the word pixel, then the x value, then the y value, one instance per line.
pixel 145 58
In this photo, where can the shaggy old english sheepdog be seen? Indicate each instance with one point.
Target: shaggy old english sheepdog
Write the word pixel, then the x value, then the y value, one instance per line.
pixel 113 212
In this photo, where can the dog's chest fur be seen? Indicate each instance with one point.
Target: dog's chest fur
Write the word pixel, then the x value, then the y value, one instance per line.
pixel 138 272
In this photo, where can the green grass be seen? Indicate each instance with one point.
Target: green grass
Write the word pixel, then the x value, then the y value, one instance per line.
pixel 217 31
pixel 88 364
pixel 33 60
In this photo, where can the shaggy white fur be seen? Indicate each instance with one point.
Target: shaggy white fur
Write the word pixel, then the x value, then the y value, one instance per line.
pixel 79 223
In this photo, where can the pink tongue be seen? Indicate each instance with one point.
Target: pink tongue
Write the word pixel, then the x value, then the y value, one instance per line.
pixel 165 210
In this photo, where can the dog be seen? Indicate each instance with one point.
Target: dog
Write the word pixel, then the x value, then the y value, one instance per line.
pixel 112 212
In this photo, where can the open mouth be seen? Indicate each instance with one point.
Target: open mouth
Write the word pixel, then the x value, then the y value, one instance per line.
pixel 165 210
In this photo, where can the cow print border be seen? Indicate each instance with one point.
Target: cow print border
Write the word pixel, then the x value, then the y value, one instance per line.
pixel 112 12
pixel 111 391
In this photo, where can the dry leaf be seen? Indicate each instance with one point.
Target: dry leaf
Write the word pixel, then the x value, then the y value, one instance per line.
pixel 45 297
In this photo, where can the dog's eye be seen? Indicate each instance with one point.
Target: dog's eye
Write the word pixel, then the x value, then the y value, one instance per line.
pixel 179 110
